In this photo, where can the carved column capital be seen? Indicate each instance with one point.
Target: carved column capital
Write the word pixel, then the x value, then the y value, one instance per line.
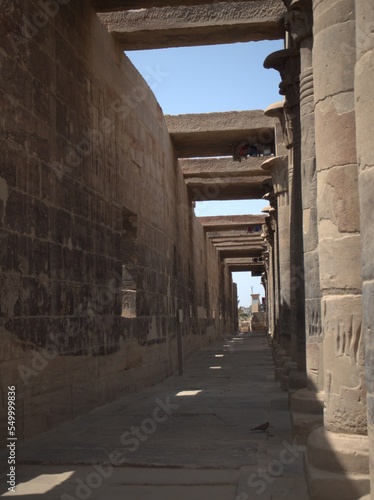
pixel 278 168
pixel 280 110
pixel 299 19
pixel 287 62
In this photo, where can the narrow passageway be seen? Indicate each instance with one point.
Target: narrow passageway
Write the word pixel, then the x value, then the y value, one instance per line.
pixel 186 438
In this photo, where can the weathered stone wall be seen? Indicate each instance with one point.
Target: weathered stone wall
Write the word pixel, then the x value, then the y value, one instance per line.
pixel 99 248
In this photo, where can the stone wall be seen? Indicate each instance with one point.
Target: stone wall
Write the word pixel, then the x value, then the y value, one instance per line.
pixel 99 245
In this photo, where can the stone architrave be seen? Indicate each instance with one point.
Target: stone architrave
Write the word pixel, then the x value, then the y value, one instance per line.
pixel 337 462
pixel 364 100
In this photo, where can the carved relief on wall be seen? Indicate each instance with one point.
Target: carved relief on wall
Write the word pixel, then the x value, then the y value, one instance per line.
pixel 289 116
pixel 313 317
pixel 348 339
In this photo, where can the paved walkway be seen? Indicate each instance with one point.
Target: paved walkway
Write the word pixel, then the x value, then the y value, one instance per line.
pixel 187 438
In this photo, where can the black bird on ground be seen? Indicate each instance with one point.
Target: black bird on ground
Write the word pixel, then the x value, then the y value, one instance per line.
pixel 262 427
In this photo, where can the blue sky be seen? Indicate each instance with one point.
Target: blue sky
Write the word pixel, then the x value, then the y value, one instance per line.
pixel 214 78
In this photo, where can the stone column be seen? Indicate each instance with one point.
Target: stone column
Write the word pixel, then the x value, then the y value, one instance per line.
pixel 270 278
pixel 271 223
pixel 266 282
pixel 364 97
pixel 337 454
pixel 307 403
pixel 287 63
pixel 278 168
pixel 280 346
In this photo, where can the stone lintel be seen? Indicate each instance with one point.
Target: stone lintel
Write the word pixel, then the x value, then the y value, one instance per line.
pixel 128 5
pixel 236 188
pixel 214 134
pixel 243 264
pixel 226 253
pixel 203 189
pixel 244 261
pixel 237 244
pixel 231 234
pixel 208 24
pixel 240 268
pixel 249 240
pixel 222 167
pixel 230 222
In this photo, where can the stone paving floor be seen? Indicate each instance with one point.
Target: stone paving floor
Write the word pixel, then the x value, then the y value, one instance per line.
pixel 187 438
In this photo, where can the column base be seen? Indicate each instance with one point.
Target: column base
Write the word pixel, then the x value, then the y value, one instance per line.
pixel 297 380
pixel 337 465
pixel 290 378
pixel 306 413
pixel 280 358
pixel 284 373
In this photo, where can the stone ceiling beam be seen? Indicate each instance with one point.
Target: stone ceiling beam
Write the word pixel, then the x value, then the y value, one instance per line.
pixel 240 268
pixel 186 25
pixel 243 264
pixel 230 222
pixel 239 244
pixel 222 167
pixel 248 240
pixel 232 234
pixel 126 5
pixel 230 244
pixel 240 252
pixel 213 134
pixel 236 188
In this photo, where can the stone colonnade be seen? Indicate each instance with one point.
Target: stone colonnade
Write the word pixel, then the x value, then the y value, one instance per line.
pixel 327 66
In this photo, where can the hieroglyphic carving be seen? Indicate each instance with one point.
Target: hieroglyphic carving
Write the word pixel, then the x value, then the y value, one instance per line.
pixel 313 315
pixel 348 339
pixel 288 128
